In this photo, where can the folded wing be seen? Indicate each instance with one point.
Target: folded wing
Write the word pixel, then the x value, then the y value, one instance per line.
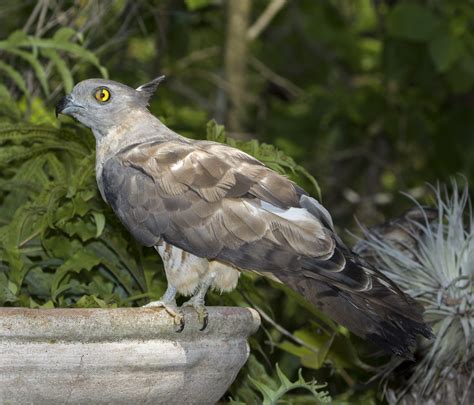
pixel 220 203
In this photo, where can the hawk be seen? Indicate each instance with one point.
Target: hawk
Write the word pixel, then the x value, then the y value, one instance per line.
pixel 212 211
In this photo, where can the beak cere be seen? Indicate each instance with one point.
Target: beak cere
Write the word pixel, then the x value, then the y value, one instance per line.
pixel 62 104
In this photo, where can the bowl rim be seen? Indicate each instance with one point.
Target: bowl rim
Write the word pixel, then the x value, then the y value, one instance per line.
pixel 116 324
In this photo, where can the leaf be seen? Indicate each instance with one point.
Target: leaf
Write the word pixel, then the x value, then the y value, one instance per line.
pixel 445 50
pixel 49 48
pixel 56 168
pixel 413 22
pixel 336 350
pixel 7 105
pixel 194 5
pixel 47 305
pixel 38 282
pixel 25 132
pixel 99 219
pixel 85 230
pixel 91 301
pixel 123 275
pixel 16 36
pixel 61 67
pixel 35 64
pixel 83 259
pixel 460 75
pixel 64 34
pixel 215 132
pixel 272 396
pixel 15 76
pixel 59 246
pixel 66 46
pixel 6 295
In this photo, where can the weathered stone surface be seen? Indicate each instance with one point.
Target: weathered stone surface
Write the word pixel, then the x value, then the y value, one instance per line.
pixel 120 356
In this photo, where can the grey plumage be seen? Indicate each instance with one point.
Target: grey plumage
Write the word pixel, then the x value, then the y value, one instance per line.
pixel 213 202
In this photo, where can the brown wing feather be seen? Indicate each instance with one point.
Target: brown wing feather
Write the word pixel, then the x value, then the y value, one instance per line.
pixel 208 199
pixel 213 191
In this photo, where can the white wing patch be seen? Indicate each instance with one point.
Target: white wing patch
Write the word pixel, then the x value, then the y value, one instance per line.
pixel 292 214
pixel 300 217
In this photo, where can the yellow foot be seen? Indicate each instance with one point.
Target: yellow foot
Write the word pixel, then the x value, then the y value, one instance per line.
pixel 201 310
pixel 172 310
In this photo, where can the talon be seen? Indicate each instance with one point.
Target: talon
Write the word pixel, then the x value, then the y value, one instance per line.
pixel 203 316
pixel 204 320
pixel 179 320
pixel 172 310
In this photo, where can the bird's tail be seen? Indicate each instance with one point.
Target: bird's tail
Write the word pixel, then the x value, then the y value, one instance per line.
pixel 358 296
pixel 383 314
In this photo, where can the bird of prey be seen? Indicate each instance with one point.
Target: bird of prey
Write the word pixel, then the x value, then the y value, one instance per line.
pixel 212 211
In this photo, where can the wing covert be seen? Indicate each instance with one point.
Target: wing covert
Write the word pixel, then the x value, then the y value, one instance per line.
pixel 217 202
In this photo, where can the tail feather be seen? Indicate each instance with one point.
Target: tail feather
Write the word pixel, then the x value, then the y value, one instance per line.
pixel 382 314
pixel 356 295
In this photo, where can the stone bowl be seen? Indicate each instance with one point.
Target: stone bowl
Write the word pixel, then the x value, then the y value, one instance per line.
pixel 120 356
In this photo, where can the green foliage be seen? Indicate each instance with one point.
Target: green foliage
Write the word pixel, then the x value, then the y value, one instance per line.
pixel 197 4
pixel 37 51
pixel 411 21
pixel 55 241
pixel 59 243
pixel 273 393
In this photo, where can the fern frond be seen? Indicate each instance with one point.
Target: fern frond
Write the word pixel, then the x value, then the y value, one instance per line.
pixel 35 51
pixel 271 396
pixel 15 76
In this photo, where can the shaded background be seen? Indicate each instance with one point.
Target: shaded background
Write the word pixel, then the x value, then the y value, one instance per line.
pixel 371 97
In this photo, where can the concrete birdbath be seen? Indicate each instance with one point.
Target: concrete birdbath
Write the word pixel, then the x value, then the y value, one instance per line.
pixel 120 356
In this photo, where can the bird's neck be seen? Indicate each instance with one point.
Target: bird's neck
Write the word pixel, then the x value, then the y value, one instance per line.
pixel 136 127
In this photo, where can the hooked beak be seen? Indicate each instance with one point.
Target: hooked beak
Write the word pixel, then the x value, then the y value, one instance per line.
pixel 67 106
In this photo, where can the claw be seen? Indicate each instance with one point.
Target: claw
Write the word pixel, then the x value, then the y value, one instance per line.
pixel 201 310
pixel 204 321
pixel 180 323
pixel 172 310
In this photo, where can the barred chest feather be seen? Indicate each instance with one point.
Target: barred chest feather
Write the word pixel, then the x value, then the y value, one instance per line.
pixel 184 271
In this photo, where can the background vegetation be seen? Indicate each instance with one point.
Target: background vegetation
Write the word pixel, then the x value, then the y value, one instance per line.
pixel 369 97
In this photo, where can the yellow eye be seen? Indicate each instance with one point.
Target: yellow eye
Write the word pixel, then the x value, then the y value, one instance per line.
pixel 102 95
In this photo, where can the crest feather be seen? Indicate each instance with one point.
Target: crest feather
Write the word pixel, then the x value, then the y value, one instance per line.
pixel 148 89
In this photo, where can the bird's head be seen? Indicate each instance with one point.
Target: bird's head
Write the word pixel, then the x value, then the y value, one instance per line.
pixel 101 104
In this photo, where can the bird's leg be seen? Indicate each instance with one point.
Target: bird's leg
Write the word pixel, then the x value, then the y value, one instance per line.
pixel 197 301
pixel 167 299
pixel 168 302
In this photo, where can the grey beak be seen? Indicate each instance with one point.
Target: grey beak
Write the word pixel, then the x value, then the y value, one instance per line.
pixel 67 105
pixel 62 104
